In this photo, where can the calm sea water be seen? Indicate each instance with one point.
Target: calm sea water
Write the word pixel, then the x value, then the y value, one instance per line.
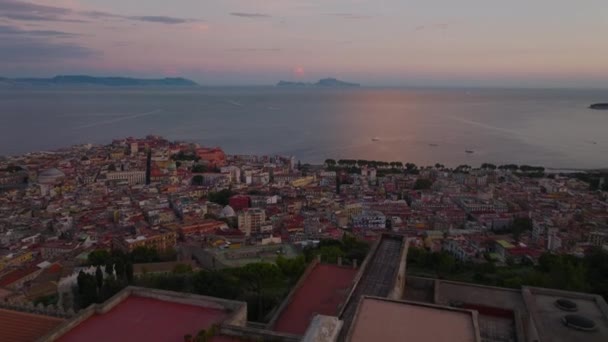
pixel 542 127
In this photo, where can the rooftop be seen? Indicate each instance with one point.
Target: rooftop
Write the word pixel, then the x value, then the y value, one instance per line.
pixel 146 319
pixel 386 320
pixel 378 275
pixel 321 292
pixel 548 316
pixel 137 314
pixel 505 244
pixel 16 326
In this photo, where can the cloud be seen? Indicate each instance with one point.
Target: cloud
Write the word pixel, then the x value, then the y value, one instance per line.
pixel 250 15
pixel 437 27
pixel 11 30
pixel 350 15
pixel 20 6
pixel 163 19
pixel 25 49
pixel 254 50
pixel 34 17
pixel 18 10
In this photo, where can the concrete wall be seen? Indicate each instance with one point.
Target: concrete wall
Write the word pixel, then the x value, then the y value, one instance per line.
pixel 289 297
pixel 370 256
pixel 399 285
pixel 206 259
pixel 257 334
pixel 323 329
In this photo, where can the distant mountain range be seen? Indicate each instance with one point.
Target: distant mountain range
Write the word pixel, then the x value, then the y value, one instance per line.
pixel 599 106
pixel 69 80
pixel 326 82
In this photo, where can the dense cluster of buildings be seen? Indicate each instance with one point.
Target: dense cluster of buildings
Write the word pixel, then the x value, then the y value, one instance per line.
pixel 227 210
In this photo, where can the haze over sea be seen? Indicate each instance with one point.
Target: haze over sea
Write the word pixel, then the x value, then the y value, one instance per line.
pixel 553 128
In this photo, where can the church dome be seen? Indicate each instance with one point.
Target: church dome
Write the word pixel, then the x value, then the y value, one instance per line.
pixel 227 212
pixel 50 176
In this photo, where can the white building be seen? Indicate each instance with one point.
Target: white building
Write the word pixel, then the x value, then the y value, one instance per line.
pixel 251 220
pixel 369 219
pixel 132 177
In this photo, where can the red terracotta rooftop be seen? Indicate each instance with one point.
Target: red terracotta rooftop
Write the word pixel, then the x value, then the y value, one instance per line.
pixel 146 319
pixel 16 275
pixel 16 326
pixel 322 292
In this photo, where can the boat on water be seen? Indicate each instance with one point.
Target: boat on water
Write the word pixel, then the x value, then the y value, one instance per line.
pixel 469 151
pixel 433 145
pixel 375 139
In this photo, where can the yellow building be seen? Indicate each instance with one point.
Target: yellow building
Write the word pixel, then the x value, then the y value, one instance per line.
pixel 303 181
pixel 12 260
pixel 160 242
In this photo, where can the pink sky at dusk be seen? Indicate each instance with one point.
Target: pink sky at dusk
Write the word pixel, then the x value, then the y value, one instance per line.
pixel 555 43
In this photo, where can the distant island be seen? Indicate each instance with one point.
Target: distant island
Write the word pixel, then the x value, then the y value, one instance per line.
pixel 69 80
pixel 325 82
pixel 599 106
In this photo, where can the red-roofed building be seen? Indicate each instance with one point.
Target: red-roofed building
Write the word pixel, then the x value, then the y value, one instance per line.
pixel 321 290
pixel 213 156
pixel 202 227
pixel 240 202
pixel 16 326
pixel 15 279
pixel 138 314
pixel 295 224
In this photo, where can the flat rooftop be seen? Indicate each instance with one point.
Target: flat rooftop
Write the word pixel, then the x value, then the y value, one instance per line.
pixel 378 275
pixel 242 256
pixel 387 321
pixel 146 319
pixel 142 314
pixel 548 316
pixel 449 292
pixel 16 326
pixel 322 292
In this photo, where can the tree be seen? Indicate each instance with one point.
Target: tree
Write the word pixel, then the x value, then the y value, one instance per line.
pixel 330 162
pixel 488 166
pixel 423 184
pixel 445 264
pixel 463 168
pixel 519 226
pixel 99 277
pixel 111 286
pixel 221 197
pixel 331 254
pixel 109 267
pixel 291 268
pixel 87 290
pixel 338 183
pixel 98 257
pixel 262 282
pixel 144 255
pixel 199 168
pixel 222 284
pixel 182 269
pixel 129 272
pixel 198 180
pixel 510 167
pixel 119 267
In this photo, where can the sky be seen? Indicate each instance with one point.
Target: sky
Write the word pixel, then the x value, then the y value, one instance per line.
pixel 516 43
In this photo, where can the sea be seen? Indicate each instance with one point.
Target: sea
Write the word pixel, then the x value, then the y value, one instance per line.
pixel 548 127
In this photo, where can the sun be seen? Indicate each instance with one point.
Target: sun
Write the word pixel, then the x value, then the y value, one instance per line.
pixel 299 72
